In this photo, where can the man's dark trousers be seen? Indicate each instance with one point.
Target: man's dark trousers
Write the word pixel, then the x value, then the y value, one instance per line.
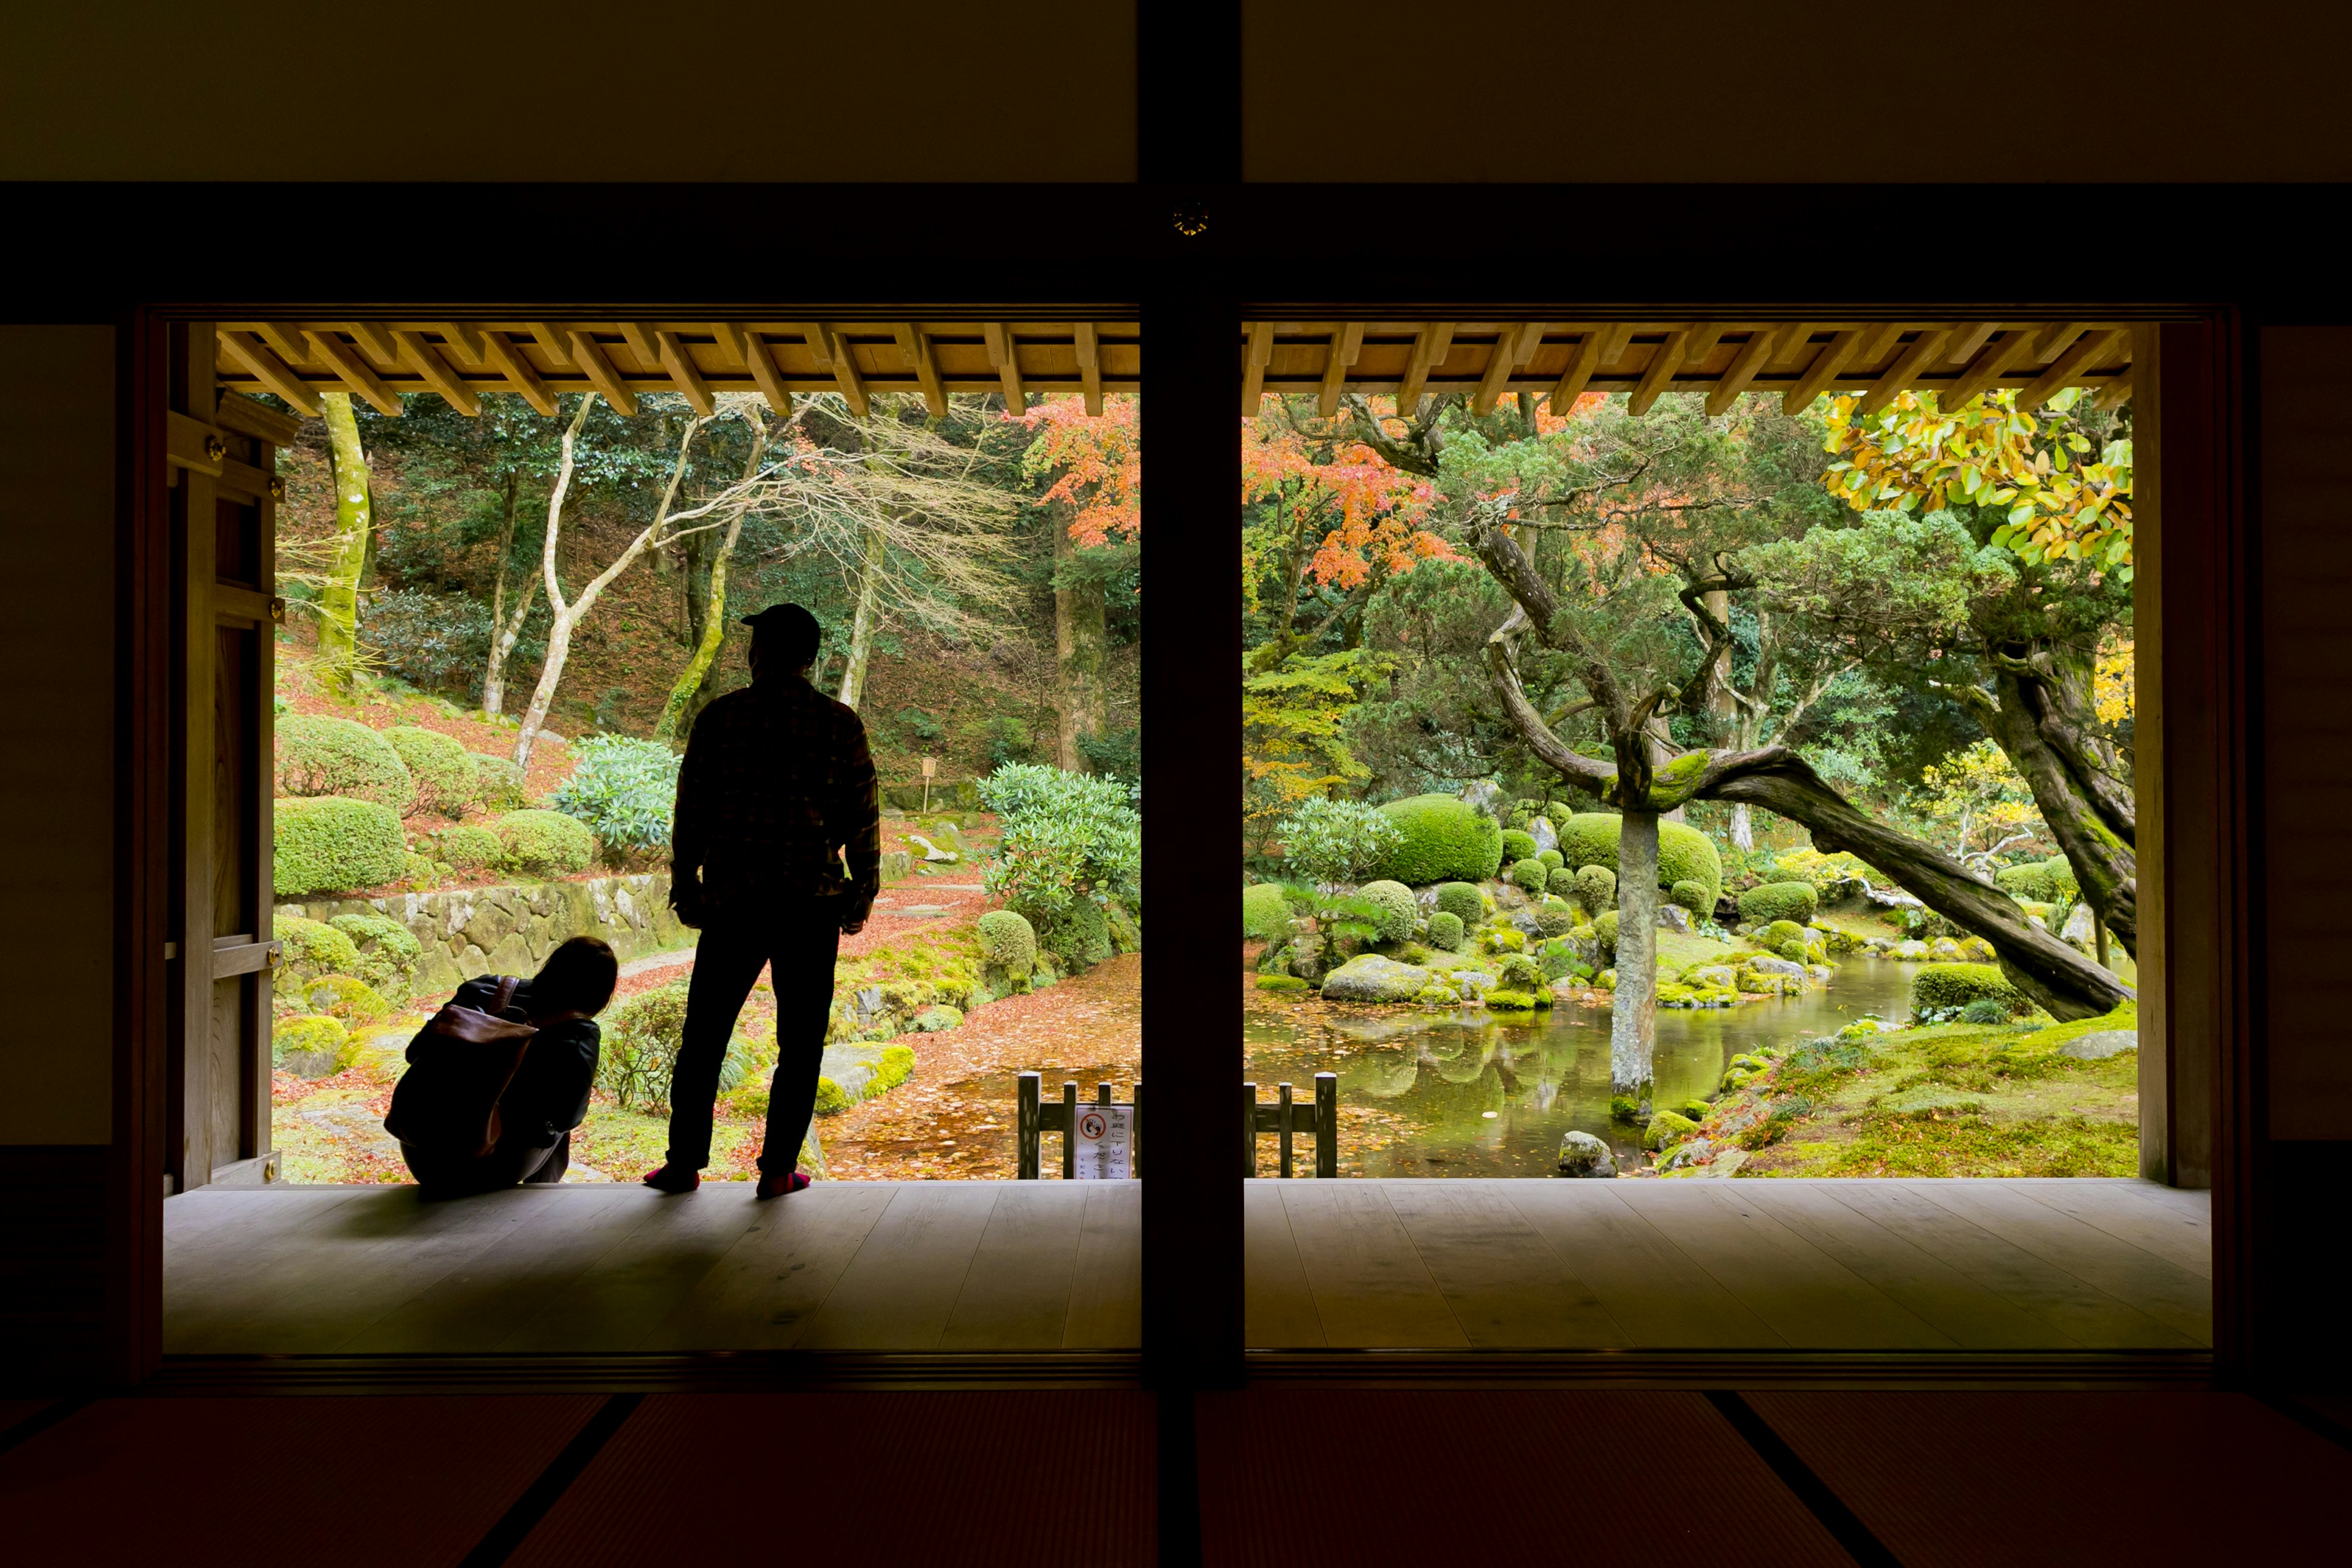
pixel 800 938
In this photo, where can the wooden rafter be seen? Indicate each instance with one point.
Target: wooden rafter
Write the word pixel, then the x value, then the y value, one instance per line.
pixel 1347 347
pixel 1659 373
pixel 1261 352
pixel 832 352
pixel 684 375
pixel 1967 339
pixel 589 357
pixel 1701 343
pixel 373 340
pixel 2117 388
pixel 553 342
pixel 749 350
pixel 1090 351
pixel 1992 361
pixel 1514 346
pixel 1431 346
pixel 2068 368
pixel 639 336
pixel 1005 355
pixel 464 341
pixel 501 356
pixel 1600 345
pixel 285 340
pixel 1927 349
pixel 355 372
pixel 917 347
pixel 1752 358
pixel 425 360
pixel 267 368
pixel 1833 357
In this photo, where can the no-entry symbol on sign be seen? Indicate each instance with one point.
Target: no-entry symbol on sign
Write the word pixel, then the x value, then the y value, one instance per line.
pixel 1102 1143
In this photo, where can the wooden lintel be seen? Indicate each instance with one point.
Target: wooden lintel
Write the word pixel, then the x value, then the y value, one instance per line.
pixel 1514 346
pixel 1429 347
pixel 269 370
pixel 1599 346
pixel 833 350
pixel 333 352
pixel 1992 362
pixel 1833 357
pixel 235 411
pixel 1346 348
pixel 1261 352
pixel 501 356
pixel 553 342
pixel 373 338
pixel 598 369
pixel 916 344
pixel 639 336
pixel 683 373
pixel 1659 373
pixel 1084 338
pixel 1927 349
pixel 285 340
pixel 1753 357
pixel 427 361
pixel 1005 355
pixel 2068 368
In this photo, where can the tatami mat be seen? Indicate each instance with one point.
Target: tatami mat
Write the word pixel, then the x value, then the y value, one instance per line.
pixel 1309 1477
pixel 405 1482
pixel 1961 1480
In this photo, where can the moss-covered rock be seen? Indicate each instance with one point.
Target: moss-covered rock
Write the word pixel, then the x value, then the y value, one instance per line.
pixel 1442 839
pixel 313 1046
pixel 308 949
pixel 1518 972
pixel 1463 900
pixel 544 843
pixel 1372 978
pixel 1779 902
pixel 830 1100
pixel 1266 912
pixel 1280 983
pixel 1399 910
pixel 345 998
pixel 1685 853
pixel 1666 1129
pixel 441 767
pixel 1436 994
pixel 1503 939
pixel 1503 999
pixel 320 755
pixel 1446 931
pixel 385 952
pixel 1940 988
pixel 327 843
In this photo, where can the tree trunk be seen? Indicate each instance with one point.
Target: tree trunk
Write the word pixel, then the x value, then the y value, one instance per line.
pixel 339 599
pixel 686 696
pixel 1634 1014
pixel 1081 704
pixel 494 677
pixel 559 636
pixel 861 627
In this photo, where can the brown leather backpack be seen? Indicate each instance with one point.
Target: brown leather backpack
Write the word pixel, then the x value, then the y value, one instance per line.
pixel 458 1065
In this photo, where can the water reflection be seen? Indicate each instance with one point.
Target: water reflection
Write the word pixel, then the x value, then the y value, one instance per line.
pixel 1465 1094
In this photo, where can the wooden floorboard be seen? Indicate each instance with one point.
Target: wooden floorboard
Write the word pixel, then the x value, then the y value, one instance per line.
pixel 761 1294
pixel 628 1291
pixel 900 1289
pixel 1505 1284
pixel 2179 1236
pixel 1372 1288
pixel 1016 1294
pixel 1107 1286
pixel 1277 1307
pixel 1658 1294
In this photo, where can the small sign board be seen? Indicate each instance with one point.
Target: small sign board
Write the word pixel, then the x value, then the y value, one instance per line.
pixel 930 767
pixel 1102 1143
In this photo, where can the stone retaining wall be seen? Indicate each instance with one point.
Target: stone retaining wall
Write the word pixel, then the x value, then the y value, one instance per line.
pixel 467 932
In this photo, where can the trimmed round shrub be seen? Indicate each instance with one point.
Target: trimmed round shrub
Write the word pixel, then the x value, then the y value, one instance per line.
pixel 543 843
pixel 326 844
pixel 1779 934
pixel 1444 840
pixel 1595 888
pixel 310 949
pixel 441 767
pixel 640 1047
pixel 1685 853
pixel 1265 911
pixel 1778 901
pixel 1941 987
pixel 1561 883
pixel 1604 932
pixel 387 951
pixel 2064 887
pixel 341 997
pixel 1691 896
pixel 624 790
pixel 1551 860
pixel 1530 874
pixel 1518 972
pixel 1463 901
pixel 1399 910
pixel 1008 941
pixel 305 1035
pixel 1079 935
pixel 469 847
pixel 1518 846
pixel 498 782
pixel 317 755
pixel 1446 931
pixel 1555 917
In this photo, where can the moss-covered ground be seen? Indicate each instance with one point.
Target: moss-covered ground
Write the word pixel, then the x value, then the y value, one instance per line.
pixel 1951 1100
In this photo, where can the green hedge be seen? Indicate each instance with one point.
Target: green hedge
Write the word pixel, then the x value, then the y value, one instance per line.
pixel 317 755
pixel 1691 896
pixel 326 844
pixel 441 766
pixel 498 782
pixel 387 954
pixel 1399 910
pixel 469 847
pixel 1009 942
pixel 1685 853
pixel 1463 901
pixel 304 1034
pixel 1938 986
pixel 544 843
pixel 1778 901
pixel 1446 931
pixel 311 948
pixel 1443 841
pixel 1265 911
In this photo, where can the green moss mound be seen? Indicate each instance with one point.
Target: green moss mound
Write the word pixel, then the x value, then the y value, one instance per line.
pixel 1531 875
pixel 1779 934
pixel 1446 931
pixel 1551 860
pixel 314 1034
pixel 1280 983
pixel 830 1100
pixel 1561 883
pixel 544 843
pixel 1518 846
pixel 1009 941
pixel 1399 911
pixel 1555 917
pixel 1685 853
pixel 1518 972
pixel 1442 840
pixel 1937 986
pixel 1691 896
pixel 1604 930
pixel 1079 936
pixel 308 949
pixel 341 997
pixel 326 844
pixel 1266 913
pixel 2050 881
pixel 441 766
pixel 498 782
pixel 1668 1129
pixel 387 951
pixel 469 847
pixel 1503 999
pixel 1463 901
pixel 1595 888
pixel 317 755
pixel 1778 901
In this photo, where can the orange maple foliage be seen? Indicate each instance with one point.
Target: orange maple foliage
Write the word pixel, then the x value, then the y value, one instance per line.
pixel 1101 460
pixel 1376 507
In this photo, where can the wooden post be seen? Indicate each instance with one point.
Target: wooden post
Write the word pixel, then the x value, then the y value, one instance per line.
pixel 1135 1128
pixel 1027 1120
pixel 1249 1130
pixel 1069 1130
pixel 1282 1125
pixel 1327 1125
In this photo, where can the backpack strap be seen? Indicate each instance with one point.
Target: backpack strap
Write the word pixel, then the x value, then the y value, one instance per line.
pixel 508 985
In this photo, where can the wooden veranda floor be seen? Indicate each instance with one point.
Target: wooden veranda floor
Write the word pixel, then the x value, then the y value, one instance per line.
pixel 1029 1265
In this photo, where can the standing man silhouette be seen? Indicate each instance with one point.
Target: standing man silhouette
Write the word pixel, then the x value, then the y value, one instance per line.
pixel 777 787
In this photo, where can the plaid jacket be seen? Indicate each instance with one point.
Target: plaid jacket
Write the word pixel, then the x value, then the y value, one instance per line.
pixel 777 784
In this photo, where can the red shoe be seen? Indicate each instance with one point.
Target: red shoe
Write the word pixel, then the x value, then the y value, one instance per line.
pixel 778 1187
pixel 671 1179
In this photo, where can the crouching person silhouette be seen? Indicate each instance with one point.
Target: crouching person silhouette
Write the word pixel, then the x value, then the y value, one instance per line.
pixel 499 1078
pixel 777 785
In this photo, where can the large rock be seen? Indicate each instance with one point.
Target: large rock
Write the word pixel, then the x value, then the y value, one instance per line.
pixel 2078 931
pixel 1765 963
pixel 1582 1154
pixel 1486 797
pixel 1372 978
pixel 2099 1046
pixel 1912 951
pixel 1545 835
pixel 1675 917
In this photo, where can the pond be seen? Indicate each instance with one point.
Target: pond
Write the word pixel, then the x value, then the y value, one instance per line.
pixel 1466 1094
